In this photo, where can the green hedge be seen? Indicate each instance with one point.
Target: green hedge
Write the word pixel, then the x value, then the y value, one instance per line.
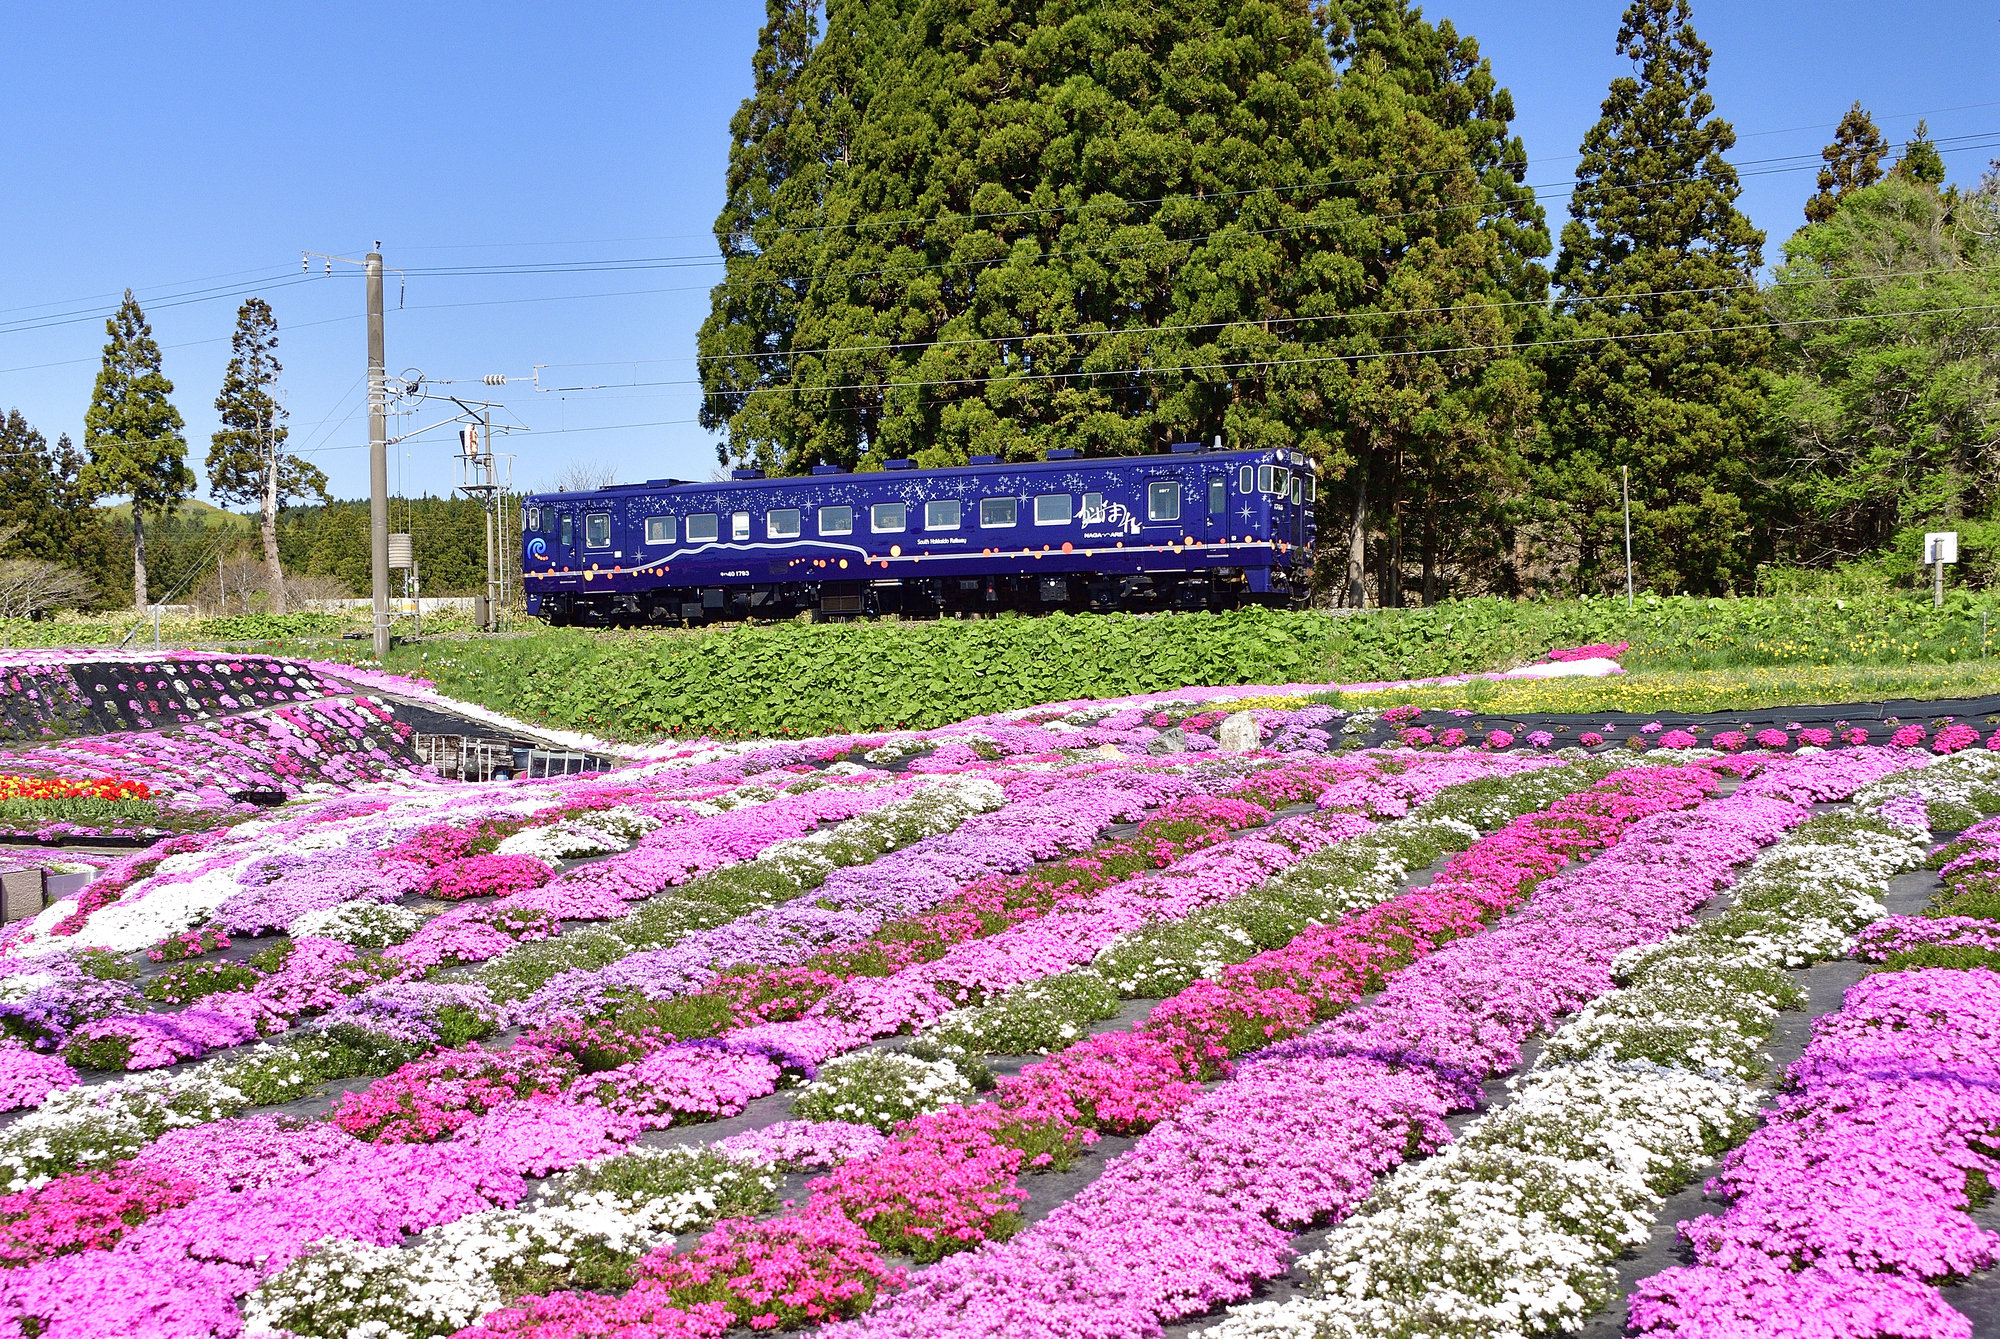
pixel 801 679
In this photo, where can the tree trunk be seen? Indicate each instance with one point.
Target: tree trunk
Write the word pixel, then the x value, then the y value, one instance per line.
pixel 138 560
pixel 1430 557
pixel 1391 585
pixel 274 573
pixel 1357 540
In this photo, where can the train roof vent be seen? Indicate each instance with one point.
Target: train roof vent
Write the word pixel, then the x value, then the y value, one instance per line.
pixel 746 474
pixel 982 460
pixel 1185 448
pixel 828 469
pixel 1063 453
pixel 662 483
pixel 903 463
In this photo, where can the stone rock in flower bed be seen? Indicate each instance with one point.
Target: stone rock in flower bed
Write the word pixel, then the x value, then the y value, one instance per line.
pixel 1238 733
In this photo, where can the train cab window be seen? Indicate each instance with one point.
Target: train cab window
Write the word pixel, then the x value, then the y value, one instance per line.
pixel 1054 509
pixel 1312 488
pixel 1218 495
pixel 782 524
pixel 836 520
pixel 548 520
pixel 941 514
pixel 1284 484
pixel 1298 490
pixel 568 535
pixel 887 518
pixel 1243 480
pixel 701 528
pixel 1093 509
pixel 1267 476
pixel 739 525
pixel 597 530
pixel 660 529
pixel 999 511
pixel 1163 501
pixel 534 518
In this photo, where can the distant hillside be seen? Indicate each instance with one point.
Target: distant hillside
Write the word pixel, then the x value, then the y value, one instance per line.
pixel 194 509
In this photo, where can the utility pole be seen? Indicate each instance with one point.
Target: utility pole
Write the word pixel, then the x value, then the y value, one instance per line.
pixel 378 460
pixel 1625 481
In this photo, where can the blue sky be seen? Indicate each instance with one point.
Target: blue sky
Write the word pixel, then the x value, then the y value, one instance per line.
pixel 193 151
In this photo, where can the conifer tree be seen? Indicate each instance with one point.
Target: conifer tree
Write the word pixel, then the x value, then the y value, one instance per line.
pixel 247 460
pixel 43 504
pixel 1853 160
pixel 1921 160
pixel 132 432
pixel 1659 362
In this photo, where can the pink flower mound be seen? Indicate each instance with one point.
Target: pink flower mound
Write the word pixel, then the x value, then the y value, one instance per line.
pixel 98 1295
pixel 1678 739
pixel 1541 739
pixel 428 1099
pixel 931 1194
pixel 537 1138
pixel 1816 737
pixel 475 933
pixel 1118 1082
pixel 1451 738
pixel 799 1144
pixel 1773 739
pixel 488 876
pixel 1852 1196
pixel 1953 738
pixel 1498 739
pixel 1855 735
pixel 640 1314
pixel 1597 651
pixel 695 1080
pixel 86 1211
pixel 1908 737
pixel 1590 739
pixel 249 1153
pixel 147 1041
pixel 27 1076
pixel 1729 741
pixel 376 1196
pixel 1900 934
pixel 1416 737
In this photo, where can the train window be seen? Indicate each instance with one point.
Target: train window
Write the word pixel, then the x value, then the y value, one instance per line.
pixel 1054 509
pixel 886 518
pixel 660 529
pixel 941 514
pixel 1284 484
pixel 568 534
pixel 548 520
pixel 702 527
pixel 534 518
pixel 1093 509
pixel 1312 488
pixel 1266 479
pixel 1243 477
pixel 836 520
pixel 998 511
pixel 1298 490
pixel 739 525
pixel 782 524
pixel 1163 501
pixel 597 530
pixel 1218 495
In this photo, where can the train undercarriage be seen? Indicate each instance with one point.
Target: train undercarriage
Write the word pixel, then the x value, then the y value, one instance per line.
pixel 945 597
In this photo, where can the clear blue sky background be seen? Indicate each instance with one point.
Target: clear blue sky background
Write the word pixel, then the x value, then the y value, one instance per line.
pixel 193 151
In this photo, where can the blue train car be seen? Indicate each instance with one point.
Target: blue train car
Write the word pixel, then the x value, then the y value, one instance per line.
pixel 1193 529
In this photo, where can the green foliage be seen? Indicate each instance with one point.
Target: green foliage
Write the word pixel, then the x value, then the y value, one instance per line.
pixel 85 813
pixel 449 536
pixel 1659 361
pixel 106 965
pixel 1890 406
pixel 269 627
pixel 1921 162
pixel 253 421
pixel 874 676
pixel 44 508
pixel 132 431
pixel 1853 161
pixel 185 982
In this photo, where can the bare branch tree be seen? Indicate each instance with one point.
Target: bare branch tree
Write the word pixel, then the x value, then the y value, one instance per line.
pixel 583 476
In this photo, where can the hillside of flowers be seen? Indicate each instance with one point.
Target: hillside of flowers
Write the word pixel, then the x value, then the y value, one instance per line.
pixel 1066 1023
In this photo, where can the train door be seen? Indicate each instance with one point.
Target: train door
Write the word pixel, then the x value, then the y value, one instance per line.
pixel 564 542
pixel 1215 514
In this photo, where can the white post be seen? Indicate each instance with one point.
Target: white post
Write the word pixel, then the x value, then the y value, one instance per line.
pixel 1625 480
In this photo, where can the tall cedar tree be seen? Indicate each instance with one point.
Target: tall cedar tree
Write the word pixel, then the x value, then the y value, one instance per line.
pixel 132 432
pixel 1891 420
pixel 1659 360
pixel 957 228
pixel 247 460
pixel 43 503
pixel 1853 160
pixel 1921 160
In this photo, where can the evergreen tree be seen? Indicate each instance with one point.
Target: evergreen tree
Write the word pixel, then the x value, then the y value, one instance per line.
pixel 132 432
pixel 1853 160
pixel 42 500
pixel 1892 420
pixel 1659 362
pixel 958 228
pixel 1921 160
pixel 247 460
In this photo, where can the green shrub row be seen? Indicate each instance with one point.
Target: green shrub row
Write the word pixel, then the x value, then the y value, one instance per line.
pixel 800 678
